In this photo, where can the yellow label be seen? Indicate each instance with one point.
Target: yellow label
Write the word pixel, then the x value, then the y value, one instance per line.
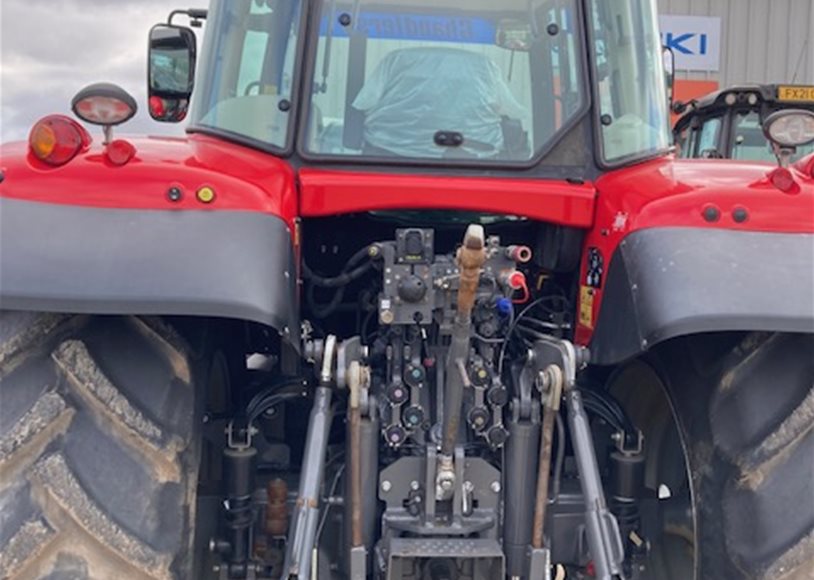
pixel 795 94
pixel 586 306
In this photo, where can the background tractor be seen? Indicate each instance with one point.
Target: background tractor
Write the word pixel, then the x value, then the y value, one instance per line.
pixel 422 294
pixel 728 124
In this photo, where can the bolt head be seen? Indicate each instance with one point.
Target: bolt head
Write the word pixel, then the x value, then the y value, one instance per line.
pixel 495 486
pixel 386 486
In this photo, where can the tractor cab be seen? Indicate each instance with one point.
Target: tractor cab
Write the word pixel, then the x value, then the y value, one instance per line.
pixel 436 83
pixel 728 124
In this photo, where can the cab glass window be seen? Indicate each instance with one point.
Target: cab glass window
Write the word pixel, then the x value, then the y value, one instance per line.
pixel 750 144
pixel 247 69
pixel 683 141
pixel 633 104
pixel 709 136
pixel 444 80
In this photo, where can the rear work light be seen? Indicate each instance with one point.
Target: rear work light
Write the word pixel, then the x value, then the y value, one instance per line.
pixel 56 139
pixel 104 104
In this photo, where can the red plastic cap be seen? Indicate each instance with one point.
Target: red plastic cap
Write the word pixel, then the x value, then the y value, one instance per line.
pixel 119 152
pixel 783 180
pixel 517 280
pixel 56 139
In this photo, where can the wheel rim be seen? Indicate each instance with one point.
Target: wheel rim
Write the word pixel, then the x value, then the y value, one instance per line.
pixel 644 397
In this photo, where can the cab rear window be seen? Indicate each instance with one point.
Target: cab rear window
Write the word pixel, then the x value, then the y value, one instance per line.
pixel 445 80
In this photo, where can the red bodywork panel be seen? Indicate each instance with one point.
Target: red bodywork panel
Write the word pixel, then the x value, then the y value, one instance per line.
pixel 676 192
pixel 336 192
pixel 242 178
pixel 661 193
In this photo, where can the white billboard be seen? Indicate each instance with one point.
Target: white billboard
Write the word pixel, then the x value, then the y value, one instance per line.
pixel 695 40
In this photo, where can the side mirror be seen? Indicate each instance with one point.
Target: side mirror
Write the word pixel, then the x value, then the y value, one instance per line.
pixel 171 72
pixel 669 59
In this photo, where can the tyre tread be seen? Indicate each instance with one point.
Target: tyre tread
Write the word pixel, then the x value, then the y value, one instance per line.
pixel 104 398
pixel 28 542
pixel 761 418
pixel 57 488
pixel 64 525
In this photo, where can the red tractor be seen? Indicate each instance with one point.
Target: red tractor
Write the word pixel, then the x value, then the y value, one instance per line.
pixel 728 124
pixel 422 294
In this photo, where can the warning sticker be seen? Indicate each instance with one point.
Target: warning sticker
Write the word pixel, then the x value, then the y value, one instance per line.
pixel 586 306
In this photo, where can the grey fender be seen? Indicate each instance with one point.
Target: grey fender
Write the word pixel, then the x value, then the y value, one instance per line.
pixel 227 264
pixel 668 282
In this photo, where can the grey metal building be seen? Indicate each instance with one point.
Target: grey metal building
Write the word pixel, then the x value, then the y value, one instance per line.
pixel 761 41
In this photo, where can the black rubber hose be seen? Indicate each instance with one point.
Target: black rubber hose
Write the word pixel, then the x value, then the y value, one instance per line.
pixel 611 406
pixel 323 310
pixel 596 408
pixel 273 401
pixel 339 282
pixel 282 388
pixel 346 276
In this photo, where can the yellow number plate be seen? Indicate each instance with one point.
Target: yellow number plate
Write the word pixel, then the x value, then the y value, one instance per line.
pixel 795 94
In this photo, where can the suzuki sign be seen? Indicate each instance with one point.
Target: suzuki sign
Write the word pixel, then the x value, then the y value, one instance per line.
pixel 695 40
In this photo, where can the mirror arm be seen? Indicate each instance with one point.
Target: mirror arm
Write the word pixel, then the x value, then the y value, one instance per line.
pixel 783 154
pixel 196 15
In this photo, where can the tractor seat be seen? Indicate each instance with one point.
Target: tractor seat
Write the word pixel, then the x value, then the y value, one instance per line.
pixel 414 93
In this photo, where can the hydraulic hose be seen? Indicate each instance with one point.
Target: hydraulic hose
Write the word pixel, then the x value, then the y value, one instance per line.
pixel 343 279
pixel 349 271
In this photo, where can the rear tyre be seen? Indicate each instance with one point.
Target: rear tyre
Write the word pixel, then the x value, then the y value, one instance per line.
pixel 98 447
pixel 745 413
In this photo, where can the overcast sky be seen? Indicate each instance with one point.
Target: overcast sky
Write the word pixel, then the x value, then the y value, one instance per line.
pixel 49 49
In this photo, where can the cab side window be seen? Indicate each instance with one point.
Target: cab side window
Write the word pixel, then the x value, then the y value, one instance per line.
pixel 708 138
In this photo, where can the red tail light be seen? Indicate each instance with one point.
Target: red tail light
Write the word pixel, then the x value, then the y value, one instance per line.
pixel 56 139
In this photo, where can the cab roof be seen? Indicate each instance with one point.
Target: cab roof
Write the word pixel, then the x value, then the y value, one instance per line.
pixel 748 96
